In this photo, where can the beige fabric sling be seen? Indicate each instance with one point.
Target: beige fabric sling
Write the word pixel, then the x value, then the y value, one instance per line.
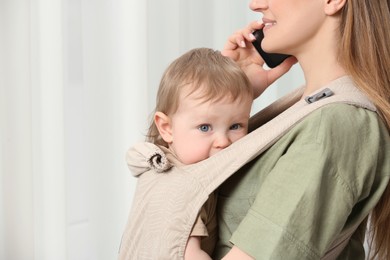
pixel 161 230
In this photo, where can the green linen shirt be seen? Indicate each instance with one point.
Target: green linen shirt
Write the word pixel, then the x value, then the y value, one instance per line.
pixel 296 198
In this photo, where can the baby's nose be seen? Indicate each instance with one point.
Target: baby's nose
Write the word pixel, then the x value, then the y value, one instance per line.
pixel 222 141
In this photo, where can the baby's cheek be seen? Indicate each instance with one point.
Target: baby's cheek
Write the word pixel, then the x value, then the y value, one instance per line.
pixel 238 136
pixel 197 154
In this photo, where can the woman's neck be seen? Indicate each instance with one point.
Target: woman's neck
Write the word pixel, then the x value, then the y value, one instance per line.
pixel 319 74
pixel 319 57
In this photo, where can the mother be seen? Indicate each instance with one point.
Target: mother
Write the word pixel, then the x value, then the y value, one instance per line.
pixel 331 171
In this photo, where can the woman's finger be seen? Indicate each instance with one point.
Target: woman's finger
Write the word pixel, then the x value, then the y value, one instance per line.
pixel 281 69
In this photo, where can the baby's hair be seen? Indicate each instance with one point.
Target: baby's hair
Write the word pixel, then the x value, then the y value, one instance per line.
pixel 202 69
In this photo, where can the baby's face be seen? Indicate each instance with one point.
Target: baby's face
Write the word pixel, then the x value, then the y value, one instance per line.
pixel 201 129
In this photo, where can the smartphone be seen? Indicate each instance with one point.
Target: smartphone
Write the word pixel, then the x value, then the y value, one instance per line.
pixel 271 59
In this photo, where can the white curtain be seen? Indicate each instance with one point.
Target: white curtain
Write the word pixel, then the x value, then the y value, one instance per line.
pixel 78 80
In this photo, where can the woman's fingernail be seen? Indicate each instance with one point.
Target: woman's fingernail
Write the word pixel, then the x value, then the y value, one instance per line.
pixel 242 44
pixel 252 37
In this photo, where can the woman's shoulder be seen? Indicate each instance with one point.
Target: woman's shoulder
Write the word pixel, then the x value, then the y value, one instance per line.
pixel 349 137
pixel 343 123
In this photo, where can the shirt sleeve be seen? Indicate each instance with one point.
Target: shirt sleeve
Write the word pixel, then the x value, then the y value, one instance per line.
pixel 206 222
pixel 199 229
pixel 305 201
pixel 290 208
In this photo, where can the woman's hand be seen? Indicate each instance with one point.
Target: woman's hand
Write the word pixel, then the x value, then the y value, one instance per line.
pixel 239 48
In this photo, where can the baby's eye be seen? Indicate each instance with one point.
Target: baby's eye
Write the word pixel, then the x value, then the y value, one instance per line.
pixel 235 127
pixel 204 128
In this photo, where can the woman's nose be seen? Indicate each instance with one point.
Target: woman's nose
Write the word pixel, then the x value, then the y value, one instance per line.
pixel 258 5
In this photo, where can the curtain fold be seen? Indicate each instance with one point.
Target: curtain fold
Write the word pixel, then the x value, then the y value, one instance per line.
pixel 16 175
pixel 47 88
pixel 73 98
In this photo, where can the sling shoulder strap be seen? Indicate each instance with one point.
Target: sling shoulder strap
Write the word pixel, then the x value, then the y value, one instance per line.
pixel 190 185
pixel 271 124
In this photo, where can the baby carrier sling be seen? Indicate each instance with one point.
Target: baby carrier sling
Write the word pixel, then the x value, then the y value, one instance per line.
pixel 190 185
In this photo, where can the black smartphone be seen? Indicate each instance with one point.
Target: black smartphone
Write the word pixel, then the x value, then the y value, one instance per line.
pixel 271 59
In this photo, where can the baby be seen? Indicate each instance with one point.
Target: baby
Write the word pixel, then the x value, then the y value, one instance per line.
pixel 203 105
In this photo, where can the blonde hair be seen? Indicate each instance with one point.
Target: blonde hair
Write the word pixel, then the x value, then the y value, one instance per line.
pixel 202 69
pixel 365 54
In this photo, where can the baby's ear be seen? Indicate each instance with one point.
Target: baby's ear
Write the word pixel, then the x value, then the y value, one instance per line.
pixel 334 6
pixel 163 123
